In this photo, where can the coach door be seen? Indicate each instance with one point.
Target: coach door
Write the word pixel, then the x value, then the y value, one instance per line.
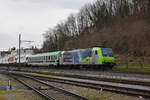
pixel 95 57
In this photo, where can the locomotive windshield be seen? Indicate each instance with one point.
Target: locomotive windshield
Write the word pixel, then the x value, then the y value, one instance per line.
pixel 107 52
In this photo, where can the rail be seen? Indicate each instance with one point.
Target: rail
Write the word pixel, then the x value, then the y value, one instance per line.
pixel 78 97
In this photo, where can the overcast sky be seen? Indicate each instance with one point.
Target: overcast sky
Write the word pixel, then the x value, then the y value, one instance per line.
pixel 32 18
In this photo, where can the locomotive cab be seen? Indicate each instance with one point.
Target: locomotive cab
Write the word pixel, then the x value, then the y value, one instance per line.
pixel 102 56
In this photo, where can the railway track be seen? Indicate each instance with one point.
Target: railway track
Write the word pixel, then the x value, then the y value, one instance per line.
pixel 113 87
pixel 135 79
pixel 46 90
pixel 117 79
pixel 135 90
pixel 74 69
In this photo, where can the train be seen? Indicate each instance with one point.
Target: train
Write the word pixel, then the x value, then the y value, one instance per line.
pixel 98 57
pixel 13 56
pixel 90 57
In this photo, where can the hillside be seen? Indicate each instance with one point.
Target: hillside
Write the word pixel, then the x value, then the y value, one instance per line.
pixel 123 25
pixel 125 37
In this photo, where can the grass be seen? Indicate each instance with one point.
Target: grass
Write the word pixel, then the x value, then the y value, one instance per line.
pixel 131 69
pixel 17 95
pixel 137 64
pixel 3 93
pixel 5 81
pixel 132 64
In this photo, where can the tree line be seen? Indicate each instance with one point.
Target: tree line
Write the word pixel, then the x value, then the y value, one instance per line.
pixel 94 16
